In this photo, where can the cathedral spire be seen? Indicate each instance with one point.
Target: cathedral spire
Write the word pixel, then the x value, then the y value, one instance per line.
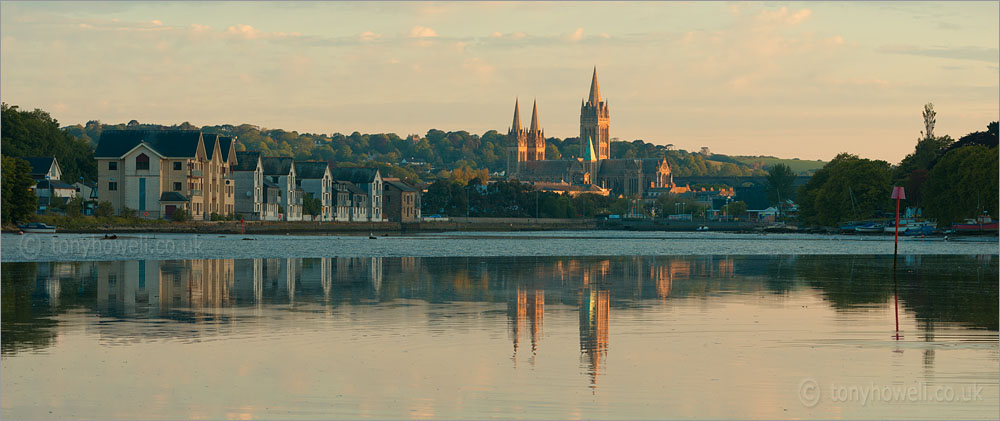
pixel 516 125
pixel 534 117
pixel 590 155
pixel 595 89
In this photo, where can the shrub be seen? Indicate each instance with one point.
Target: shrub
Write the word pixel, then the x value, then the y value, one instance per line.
pixel 104 210
pixel 179 215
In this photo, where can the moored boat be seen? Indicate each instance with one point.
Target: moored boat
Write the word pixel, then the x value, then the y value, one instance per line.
pixel 37 228
pixel 869 228
pixel 981 224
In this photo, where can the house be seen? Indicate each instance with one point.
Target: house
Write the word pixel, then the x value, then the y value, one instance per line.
pixel 51 193
pixel 248 184
pixel 86 190
pixel 280 170
pixel 316 182
pixel 369 180
pixel 271 202
pixel 342 201
pixel 219 185
pixel 359 202
pixel 156 173
pixel 400 202
pixel 44 168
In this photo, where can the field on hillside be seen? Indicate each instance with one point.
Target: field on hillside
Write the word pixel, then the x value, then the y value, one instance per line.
pixel 797 165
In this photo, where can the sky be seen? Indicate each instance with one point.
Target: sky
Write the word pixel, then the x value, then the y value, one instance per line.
pixel 806 80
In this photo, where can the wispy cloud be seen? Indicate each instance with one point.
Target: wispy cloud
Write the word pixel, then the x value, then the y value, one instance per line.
pixel 957 52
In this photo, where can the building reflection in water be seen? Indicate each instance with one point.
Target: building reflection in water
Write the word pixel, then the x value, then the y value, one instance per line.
pixel 595 306
pixel 526 312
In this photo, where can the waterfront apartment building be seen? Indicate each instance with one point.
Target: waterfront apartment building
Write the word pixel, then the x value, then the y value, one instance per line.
pixel 155 173
pixel 370 181
pixel 281 171
pixel 316 182
pixel 400 203
pixel 341 201
pixel 251 201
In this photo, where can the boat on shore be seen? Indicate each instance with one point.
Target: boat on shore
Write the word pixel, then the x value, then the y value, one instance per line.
pixel 983 223
pixel 37 228
pixel 869 228
pixel 907 224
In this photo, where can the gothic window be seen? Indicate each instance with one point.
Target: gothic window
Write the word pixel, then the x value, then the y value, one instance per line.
pixel 142 162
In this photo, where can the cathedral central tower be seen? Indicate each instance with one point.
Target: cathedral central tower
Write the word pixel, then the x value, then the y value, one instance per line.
pixel 594 122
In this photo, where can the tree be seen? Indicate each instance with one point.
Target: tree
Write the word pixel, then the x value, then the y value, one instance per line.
pixel 179 215
pixel 780 182
pixel 737 208
pixel 312 206
pixel 963 184
pixel 74 207
pixel 36 133
pixel 930 118
pixel 18 198
pixel 826 198
pixel 104 210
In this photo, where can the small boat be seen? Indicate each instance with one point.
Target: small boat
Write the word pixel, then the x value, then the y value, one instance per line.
pixel 922 230
pixel 983 223
pixel 849 227
pixel 702 228
pixel 869 228
pixel 37 227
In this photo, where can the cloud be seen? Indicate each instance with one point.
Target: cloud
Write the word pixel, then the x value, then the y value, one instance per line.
pixel 156 22
pixel 784 16
pixel 957 53
pixel 247 32
pixel 576 35
pixel 422 32
pixel 369 36
pixel 480 68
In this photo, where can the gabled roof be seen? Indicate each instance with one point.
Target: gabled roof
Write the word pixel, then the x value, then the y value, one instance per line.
pixel 652 165
pixel 618 167
pixel 269 184
pixel 310 169
pixel 40 165
pixel 168 143
pixel 277 165
pixel 399 185
pixel 246 161
pixel 224 143
pixel 355 175
pixel 552 167
pixel 172 196
pixel 353 188
pixel 54 184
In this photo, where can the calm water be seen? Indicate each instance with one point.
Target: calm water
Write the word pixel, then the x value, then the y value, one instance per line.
pixel 75 247
pixel 706 336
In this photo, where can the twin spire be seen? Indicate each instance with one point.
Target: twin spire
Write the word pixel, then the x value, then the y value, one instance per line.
pixel 516 126
pixel 595 90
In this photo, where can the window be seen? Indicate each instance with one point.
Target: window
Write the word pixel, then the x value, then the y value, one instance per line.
pixel 142 162
pixel 177 186
pixel 112 166
pixel 112 186
pixel 177 166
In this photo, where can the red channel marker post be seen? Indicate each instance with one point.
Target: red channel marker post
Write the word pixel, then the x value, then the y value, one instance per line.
pixel 898 194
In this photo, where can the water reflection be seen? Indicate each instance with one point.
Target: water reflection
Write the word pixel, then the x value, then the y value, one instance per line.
pixel 934 290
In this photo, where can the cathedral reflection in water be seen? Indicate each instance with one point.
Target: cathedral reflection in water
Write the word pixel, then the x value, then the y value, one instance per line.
pixel 191 292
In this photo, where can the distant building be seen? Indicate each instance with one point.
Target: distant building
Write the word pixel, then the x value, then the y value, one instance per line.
pixel 280 170
pixel 157 173
pixel 401 204
pixel 341 201
pixel 315 180
pixel 248 182
pixel 369 180
pixel 526 155
pixel 44 168
pixel 359 202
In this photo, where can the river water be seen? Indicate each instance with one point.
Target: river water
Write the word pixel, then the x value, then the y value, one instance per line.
pixel 502 326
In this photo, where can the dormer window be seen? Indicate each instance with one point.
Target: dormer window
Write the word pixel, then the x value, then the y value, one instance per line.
pixel 142 162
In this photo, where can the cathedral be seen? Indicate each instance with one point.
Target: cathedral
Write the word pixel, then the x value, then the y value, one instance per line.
pixel 594 167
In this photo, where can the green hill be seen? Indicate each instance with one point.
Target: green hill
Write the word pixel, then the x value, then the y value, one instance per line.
pixel 799 166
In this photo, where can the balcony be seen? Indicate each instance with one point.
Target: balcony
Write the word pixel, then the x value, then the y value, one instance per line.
pixel 196 173
pixel 196 192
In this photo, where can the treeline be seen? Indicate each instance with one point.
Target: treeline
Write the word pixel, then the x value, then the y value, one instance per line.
pixel 512 199
pixel 439 150
pixel 949 180
pixel 36 133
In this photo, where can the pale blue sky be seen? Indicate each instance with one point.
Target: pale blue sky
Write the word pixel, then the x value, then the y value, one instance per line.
pixel 804 80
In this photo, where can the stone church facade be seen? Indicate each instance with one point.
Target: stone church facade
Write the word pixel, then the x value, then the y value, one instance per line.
pixel 526 154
